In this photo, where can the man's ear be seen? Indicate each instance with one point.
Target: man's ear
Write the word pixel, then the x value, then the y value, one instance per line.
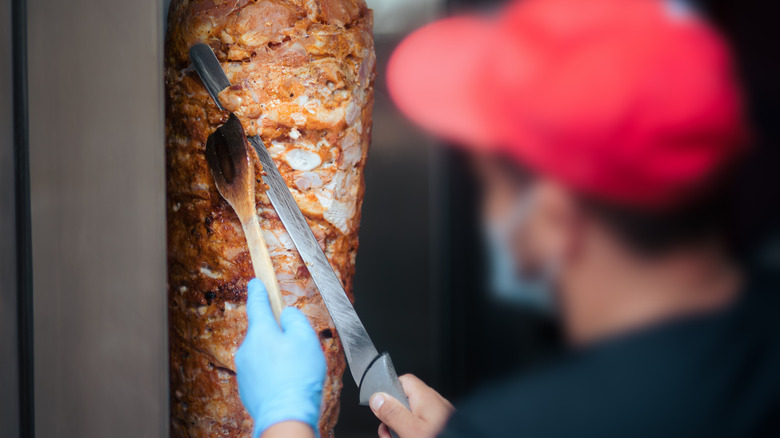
pixel 557 224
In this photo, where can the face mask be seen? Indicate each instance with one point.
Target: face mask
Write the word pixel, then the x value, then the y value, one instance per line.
pixel 507 282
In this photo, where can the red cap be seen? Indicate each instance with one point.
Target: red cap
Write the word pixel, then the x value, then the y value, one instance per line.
pixel 632 101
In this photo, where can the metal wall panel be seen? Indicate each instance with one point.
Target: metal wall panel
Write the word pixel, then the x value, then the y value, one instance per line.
pixel 9 396
pixel 98 217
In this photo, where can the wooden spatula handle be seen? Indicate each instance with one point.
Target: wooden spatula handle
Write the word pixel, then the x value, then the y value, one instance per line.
pixel 261 261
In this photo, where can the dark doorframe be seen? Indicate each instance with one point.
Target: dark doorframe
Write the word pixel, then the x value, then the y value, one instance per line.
pixel 9 357
pixel 21 209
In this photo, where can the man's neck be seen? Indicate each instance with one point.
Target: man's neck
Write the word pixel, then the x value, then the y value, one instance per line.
pixel 619 292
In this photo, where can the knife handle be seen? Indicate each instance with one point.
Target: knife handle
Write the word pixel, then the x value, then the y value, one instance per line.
pixel 381 377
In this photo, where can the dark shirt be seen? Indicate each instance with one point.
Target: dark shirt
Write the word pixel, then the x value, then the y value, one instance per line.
pixel 714 375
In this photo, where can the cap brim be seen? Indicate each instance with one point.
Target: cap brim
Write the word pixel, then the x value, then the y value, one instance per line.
pixel 434 78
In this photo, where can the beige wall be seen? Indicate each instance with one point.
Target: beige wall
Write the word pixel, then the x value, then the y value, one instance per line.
pixel 98 217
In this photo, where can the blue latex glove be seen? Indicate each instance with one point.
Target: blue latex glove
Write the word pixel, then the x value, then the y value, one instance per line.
pixel 280 372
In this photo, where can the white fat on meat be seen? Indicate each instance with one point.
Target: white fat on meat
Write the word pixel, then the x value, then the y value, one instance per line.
pixel 299 118
pixel 284 276
pixel 286 240
pixel 277 148
pixel 325 198
pixel 329 117
pixel 209 273
pixel 337 201
pixel 273 244
pixel 352 112
pixel 294 291
pixel 307 181
pixel 289 299
pixel 278 241
pixel 351 152
pixel 302 159
pixel 339 214
pixel 304 144
pixel 231 306
pixel 200 187
pixel 318 314
pixel 313 106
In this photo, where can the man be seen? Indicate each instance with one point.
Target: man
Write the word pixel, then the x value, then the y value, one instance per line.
pixel 606 134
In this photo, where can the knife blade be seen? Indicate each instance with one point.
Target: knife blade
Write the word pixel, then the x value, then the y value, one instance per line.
pixel 358 348
pixel 210 71
pixel 372 372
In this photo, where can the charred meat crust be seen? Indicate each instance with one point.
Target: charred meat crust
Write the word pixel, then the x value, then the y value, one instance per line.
pixel 302 74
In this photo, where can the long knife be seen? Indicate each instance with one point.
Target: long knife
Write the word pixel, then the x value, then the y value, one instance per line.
pixel 373 372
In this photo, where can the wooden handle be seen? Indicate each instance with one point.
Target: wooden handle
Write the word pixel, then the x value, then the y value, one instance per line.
pixel 261 261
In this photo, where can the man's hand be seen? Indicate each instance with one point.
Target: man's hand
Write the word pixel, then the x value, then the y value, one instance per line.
pixel 429 413
pixel 280 372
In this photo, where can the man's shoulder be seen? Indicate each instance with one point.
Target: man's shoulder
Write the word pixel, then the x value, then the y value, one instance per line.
pixel 604 397
pixel 560 401
pixel 677 379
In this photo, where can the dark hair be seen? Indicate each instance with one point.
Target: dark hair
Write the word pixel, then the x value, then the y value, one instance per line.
pixel 705 216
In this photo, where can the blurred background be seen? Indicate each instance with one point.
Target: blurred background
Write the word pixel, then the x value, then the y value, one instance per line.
pixel 83 345
pixel 421 283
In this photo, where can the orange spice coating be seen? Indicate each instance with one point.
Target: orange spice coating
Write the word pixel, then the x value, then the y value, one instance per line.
pixel 302 74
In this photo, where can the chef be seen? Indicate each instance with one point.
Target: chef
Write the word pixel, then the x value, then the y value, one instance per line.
pixel 606 134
